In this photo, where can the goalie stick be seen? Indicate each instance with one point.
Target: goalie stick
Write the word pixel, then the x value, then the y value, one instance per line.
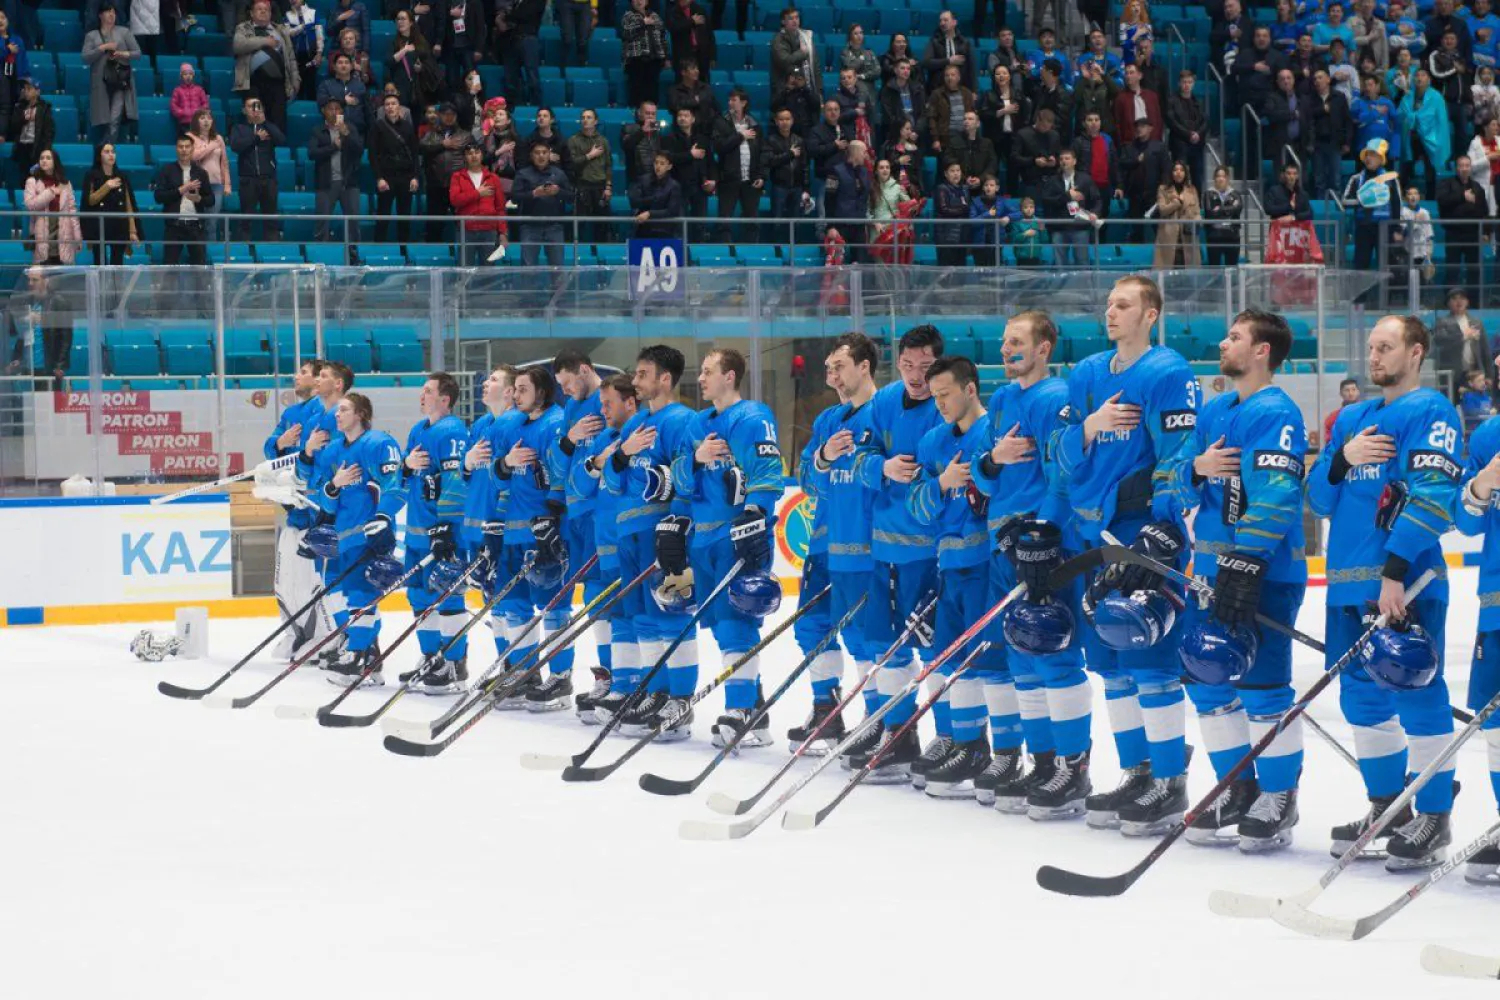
pixel 1071 883
pixel 270 465
pixel 1443 961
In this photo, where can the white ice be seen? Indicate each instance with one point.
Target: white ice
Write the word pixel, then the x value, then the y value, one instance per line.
pixel 156 848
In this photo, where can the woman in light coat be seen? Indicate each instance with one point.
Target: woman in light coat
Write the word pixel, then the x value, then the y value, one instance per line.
pixel 108 107
pixel 1177 200
pixel 57 237
pixel 1484 154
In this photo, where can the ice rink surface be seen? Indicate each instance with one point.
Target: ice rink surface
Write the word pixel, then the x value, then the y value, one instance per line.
pixel 157 848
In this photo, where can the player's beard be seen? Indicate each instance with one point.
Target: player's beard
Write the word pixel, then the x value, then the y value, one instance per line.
pixel 1386 379
pixel 1230 369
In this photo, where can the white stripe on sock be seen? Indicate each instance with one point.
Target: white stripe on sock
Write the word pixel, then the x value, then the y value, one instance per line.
pixel 749 672
pixel 1166 722
pixel 890 680
pixel 967 692
pixel 685 655
pixel 1000 698
pixel 1286 743
pixel 1124 714
pixel 1069 703
pixel 1224 729
pixel 1425 750
pixel 1380 740
pixel 828 665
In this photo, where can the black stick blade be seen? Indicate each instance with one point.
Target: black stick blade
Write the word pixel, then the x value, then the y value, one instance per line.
pixel 408 748
pixel 576 773
pixel 346 721
pixel 186 694
pixel 657 785
pixel 1068 883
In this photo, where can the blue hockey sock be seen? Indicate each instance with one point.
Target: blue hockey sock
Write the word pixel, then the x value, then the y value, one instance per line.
pixel 1164 713
pixel 1123 707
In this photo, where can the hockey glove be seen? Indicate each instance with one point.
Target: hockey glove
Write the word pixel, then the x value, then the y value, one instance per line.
pixel 659 487
pixel 671 544
pixel 494 543
pixel 1392 503
pixel 748 535
pixel 440 541
pixel 979 503
pixel 320 542
pixel 735 490
pixel 547 529
pixel 1159 540
pixel 920 623
pixel 380 536
pixel 1237 589
pixel 1035 551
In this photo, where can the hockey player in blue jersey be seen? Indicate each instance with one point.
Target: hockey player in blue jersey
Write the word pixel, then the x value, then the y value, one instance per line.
pixel 729 470
pixel 850 368
pixel 585 473
pixel 296 575
pixel 905 555
pixel 942 499
pixel 1248 466
pixel 527 519
pixel 652 528
pixel 1476 511
pixel 362 496
pixel 1387 480
pixel 498 395
pixel 1042 693
pixel 1131 416
pixel 333 380
pixel 579 385
pixel 435 497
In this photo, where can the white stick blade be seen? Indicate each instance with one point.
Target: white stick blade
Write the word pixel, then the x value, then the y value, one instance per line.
pixel 544 762
pixel 1441 961
pixel 1295 916
pixel 217 701
pixel 1241 905
pixel 723 804
pixel 293 712
pixel 697 829
pixel 791 820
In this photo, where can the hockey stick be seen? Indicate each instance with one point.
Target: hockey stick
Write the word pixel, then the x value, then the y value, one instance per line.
pixel 247 700
pixel 792 820
pixel 270 465
pixel 1075 884
pixel 657 785
pixel 1304 921
pixel 486 682
pixel 409 748
pixel 327 718
pixel 1443 961
pixel 1115 552
pixel 602 771
pixel 698 830
pixel 193 694
pixel 552 762
pixel 1292 911
pixel 1241 904
pixel 376 662
pixel 721 803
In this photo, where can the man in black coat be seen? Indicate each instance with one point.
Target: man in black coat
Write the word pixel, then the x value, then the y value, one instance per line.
pixel 1034 154
pixel 737 148
pixel 1255 69
pixel 947 48
pixel 1332 132
pixel 641 141
pixel 692 153
pixel 184 194
pixel 254 141
pixel 1068 195
pixel 396 159
pixel 785 163
pixel 656 200
pixel 1462 207
pixel 901 99
pixel 826 141
pixel 1144 165
pixel 1287 122
pixel 335 149
pixel 31 128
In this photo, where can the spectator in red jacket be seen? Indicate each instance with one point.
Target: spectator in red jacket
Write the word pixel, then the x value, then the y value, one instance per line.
pixel 475 194
pixel 1349 394
pixel 1136 102
pixel 187 98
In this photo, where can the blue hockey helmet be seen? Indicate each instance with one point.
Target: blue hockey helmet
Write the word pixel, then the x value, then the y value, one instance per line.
pixel 1038 628
pixel 1401 658
pixel 755 594
pixel 546 574
pixel 674 593
pixel 322 540
pixel 1215 653
pixel 1139 621
pixel 383 572
pixel 443 574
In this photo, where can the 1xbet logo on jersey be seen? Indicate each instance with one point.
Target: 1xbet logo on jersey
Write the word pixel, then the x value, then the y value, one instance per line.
pixel 1435 461
pixel 1178 420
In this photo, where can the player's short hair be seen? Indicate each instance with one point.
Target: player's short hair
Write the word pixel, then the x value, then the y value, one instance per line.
pixel 316 364
pixel 570 360
pixel 342 372
pixel 961 368
pixel 1414 333
pixel 861 348
pixel 919 337
pixel 541 380
pixel 447 386
pixel 666 359
pixel 1268 328
pixel 1148 289
pixel 1349 381
pixel 510 372
pixel 1040 323
pixel 621 384
pixel 363 408
pixel 731 360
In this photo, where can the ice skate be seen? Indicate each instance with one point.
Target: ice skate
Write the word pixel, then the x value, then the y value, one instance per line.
pixel 1064 792
pixel 732 723
pixel 552 695
pixel 446 677
pixel 1484 868
pixel 933 755
pixel 349 666
pixel 955 777
pixel 1421 842
pixel 585 704
pixel 1344 836
pixel 1219 824
pixel 895 767
pixel 1104 808
pixel 823 713
pixel 674 719
pixel 1156 810
pixel 1267 825
pixel 1003 783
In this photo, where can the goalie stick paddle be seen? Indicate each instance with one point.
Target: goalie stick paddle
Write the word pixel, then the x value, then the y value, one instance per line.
pixel 378 661
pixel 1071 883
pixel 551 762
pixel 724 804
pixel 330 719
pixel 602 771
pixel 246 701
pixel 657 785
pixel 1243 904
pixel 193 694
pixel 792 820
pixel 696 830
pixel 272 465
pixel 1443 961
pixel 500 689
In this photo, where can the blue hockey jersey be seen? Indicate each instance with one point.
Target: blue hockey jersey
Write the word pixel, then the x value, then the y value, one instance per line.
pixel 1484 443
pixel 1133 474
pixel 750 430
pixel 1024 487
pixel 1426 429
pixel 607 506
pixel 625 476
pixel 560 463
pixel 851 507
pixel 380 491
pixel 438 492
pixel 963 537
pixel 897 424
pixel 304 412
pixel 814 484
pixel 479 496
pixel 1259 511
pixel 524 493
